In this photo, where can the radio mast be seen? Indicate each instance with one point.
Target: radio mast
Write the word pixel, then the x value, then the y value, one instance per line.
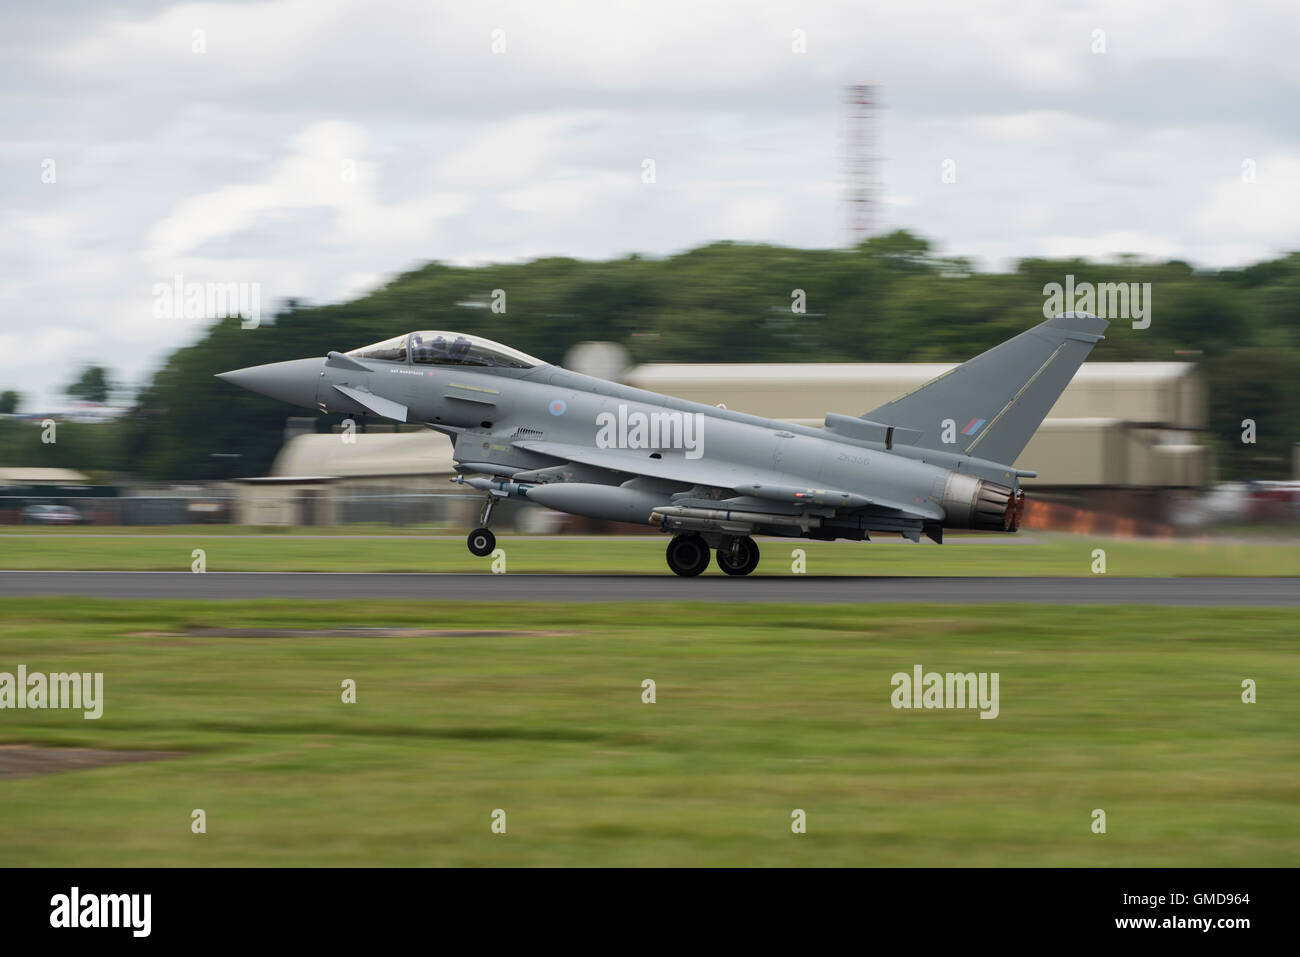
pixel 860 162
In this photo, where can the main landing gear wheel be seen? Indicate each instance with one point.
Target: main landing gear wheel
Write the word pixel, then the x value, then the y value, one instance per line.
pixel 740 557
pixel 481 541
pixel 688 555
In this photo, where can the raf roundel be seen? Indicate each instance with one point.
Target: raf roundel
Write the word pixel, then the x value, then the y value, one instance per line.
pixel 557 407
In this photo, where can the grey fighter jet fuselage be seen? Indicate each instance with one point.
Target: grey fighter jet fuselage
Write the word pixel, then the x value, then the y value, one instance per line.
pixel 939 457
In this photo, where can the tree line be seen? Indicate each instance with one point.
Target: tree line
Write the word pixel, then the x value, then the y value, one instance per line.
pixel 890 299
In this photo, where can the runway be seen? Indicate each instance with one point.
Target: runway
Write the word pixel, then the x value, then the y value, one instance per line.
pixel 1098 590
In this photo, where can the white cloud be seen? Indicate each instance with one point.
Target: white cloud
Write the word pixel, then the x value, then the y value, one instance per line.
pixel 1261 214
pixel 229 165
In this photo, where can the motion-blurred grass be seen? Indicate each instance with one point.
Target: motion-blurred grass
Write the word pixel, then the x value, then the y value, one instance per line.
pixel 760 711
pixel 1028 554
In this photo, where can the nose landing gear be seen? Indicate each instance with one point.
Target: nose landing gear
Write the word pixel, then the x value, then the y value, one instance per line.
pixel 481 541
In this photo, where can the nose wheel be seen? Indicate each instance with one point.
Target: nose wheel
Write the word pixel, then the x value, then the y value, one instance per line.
pixel 481 542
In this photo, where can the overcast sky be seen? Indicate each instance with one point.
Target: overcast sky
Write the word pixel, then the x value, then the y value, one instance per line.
pixel 319 146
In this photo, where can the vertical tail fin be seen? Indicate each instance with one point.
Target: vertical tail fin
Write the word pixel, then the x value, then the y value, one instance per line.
pixel 998 399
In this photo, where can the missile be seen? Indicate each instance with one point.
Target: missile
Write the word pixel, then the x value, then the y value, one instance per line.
pixel 725 519
pixel 500 488
pixel 806 496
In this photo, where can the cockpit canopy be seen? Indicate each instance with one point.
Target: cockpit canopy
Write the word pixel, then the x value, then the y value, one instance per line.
pixel 448 349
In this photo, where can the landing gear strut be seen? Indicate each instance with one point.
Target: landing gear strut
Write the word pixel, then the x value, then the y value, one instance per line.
pixel 688 555
pixel 481 541
pixel 739 556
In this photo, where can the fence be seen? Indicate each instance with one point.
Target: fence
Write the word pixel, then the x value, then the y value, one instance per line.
pixel 268 507
pixel 125 510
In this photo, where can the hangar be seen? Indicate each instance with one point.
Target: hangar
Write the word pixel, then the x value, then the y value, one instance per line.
pixel 1117 425
pixel 322 478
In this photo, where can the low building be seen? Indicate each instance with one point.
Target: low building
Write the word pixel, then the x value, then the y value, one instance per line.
pixel 372 477
pixel 368 459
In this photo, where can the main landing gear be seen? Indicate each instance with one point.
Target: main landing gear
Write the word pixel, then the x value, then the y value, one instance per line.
pixel 739 556
pixel 688 555
pixel 481 541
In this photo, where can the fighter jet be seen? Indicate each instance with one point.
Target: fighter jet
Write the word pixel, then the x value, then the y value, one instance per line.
pixel 941 456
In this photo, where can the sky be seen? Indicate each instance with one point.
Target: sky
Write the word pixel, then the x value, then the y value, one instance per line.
pixel 315 148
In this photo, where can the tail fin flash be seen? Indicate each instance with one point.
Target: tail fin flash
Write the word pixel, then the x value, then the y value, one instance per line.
pixel 997 400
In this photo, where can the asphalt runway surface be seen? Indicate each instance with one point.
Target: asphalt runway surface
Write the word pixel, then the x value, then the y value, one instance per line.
pixel 1099 590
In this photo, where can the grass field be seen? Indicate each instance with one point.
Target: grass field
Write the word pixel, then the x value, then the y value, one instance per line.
pixel 1133 710
pixel 1015 555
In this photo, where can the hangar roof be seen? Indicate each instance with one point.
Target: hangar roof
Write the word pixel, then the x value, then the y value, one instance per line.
pixel 1167 392
pixel 39 476
pixel 902 372
pixel 372 453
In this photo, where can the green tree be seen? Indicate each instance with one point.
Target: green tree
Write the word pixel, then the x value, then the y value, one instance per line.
pixel 92 386
pixel 9 402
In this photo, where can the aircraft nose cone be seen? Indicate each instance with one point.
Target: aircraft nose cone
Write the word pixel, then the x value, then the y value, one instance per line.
pixel 294 381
